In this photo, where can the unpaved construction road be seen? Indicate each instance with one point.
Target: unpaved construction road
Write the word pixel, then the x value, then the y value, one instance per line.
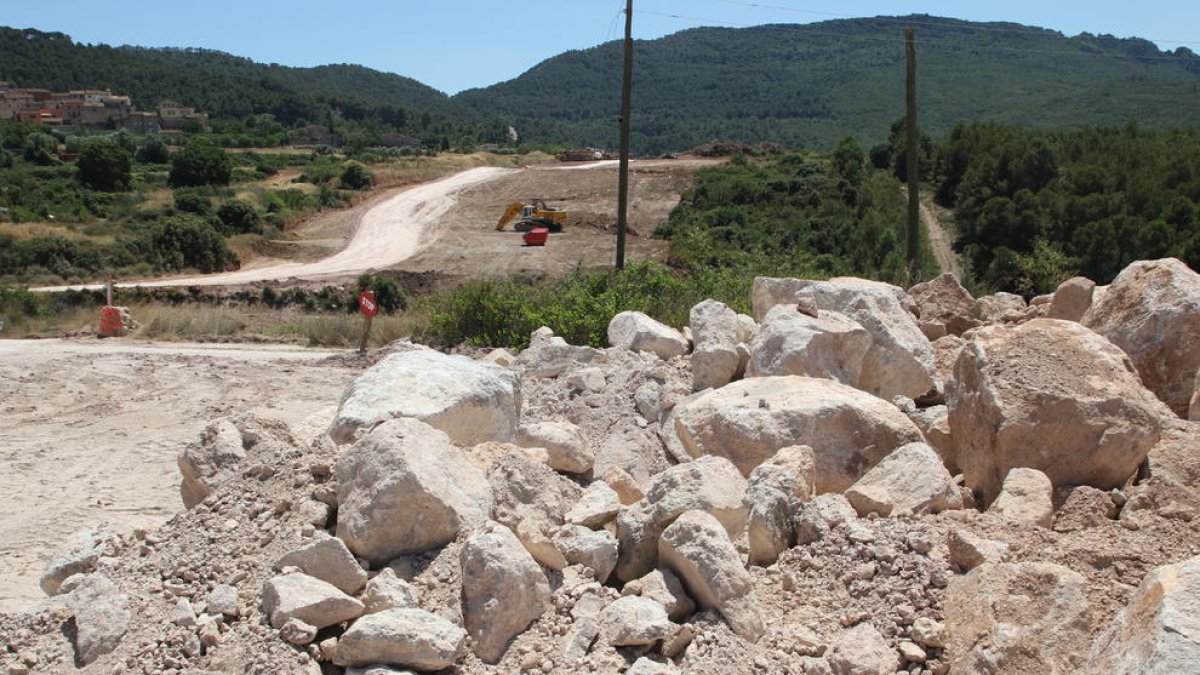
pixel 447 227
pixel 91 430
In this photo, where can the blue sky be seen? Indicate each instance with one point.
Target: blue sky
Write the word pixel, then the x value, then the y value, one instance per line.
pixel 453 45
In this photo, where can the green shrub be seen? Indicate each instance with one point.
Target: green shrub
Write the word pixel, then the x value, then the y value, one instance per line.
pixel 238 217
pixel 388 295
pixel 355 177
pixel 200 163
pixel 105 165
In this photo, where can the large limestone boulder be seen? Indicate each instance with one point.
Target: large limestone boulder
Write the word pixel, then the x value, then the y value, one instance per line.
pixel 710 484
pixel 637 332
pixel 776 486
pixel 470 401
pixel 564 443
pixel 1158 633
pixel 1152 311
pixel 1026 497
pixel 790 342
pixel 944 300
pixel 523 488
pixel 900 360
pixel 101 617
pixel 994 308
pixel 218 453
pixel 1028 617
pixel 550 356
pixel 409 638
pixel 1053 396
pixel 327 559
pixel 848 430
pixel 1072 299
pixel 503 591
pixel 315 602
pixel 697 548
pixel 403 488
pixel 911 480
pixel 716 331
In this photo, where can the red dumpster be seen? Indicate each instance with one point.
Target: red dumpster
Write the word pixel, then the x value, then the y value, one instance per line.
pixel 537 236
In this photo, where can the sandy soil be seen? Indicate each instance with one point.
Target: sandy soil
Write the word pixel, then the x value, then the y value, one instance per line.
pixel 940 240
pixel 92 429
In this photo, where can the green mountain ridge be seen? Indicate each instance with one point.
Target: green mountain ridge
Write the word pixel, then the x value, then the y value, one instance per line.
pixel 804 85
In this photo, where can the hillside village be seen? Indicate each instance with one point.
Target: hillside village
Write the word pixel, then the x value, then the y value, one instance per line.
pixel 81 109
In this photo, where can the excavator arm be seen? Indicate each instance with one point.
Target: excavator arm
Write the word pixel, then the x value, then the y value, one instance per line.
pixel 509 213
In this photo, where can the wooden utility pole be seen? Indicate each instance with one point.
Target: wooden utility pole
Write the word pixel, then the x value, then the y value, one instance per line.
pixel 626 105
pixel 914 203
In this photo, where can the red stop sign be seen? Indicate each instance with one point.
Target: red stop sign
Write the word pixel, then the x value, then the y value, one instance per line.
pixel 366 303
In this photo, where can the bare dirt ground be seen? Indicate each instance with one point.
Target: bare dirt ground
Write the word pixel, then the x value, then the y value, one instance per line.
pixel 940 240
pixel 92 429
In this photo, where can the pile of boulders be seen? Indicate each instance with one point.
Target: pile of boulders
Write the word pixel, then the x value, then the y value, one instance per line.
pixel 855 479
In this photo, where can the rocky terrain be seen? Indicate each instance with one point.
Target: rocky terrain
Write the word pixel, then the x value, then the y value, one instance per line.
pixel 857 479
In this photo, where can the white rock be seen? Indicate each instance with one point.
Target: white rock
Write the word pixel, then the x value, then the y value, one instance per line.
pixel 223 600
pixel 648 666
pixel 500 357
pixel 848 430
pixel 535 540
pixel 504 590
pixel 715 365
pixel 992 308
pixel 1152 311
pixel 309 599
pixel 697 548
pixel 597 506
pixel 911 480
pixel 928 632
pixel 716 330
pixel 1026 497
pixel 578 640
pixel 944 300
pixel 1072 299
pixel 1049 395
pixel 934 423
pixel 523 488
pixel 387 591
pixel 628 490
pixel 297 632
pixel 101 617
pixel 769 528
pixel 969 551
pixel 470 401
pixel 1029 617
pixel 403 488
pixel 87 546
pixel 648 400
pixel 327 559
pixel 637 332
pixel 830 346
pixel 900 360
pixel 410 638
pixel 596 549
pixel 217 455
pixel 862 651
pixel 663 587
pixel 183 614
pixel 550 356
pixel 587 379
pixel 814 519
pixel 631 621
pixel 1158 632
pixel 564 443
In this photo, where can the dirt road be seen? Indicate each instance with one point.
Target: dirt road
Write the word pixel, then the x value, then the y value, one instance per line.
pixel 92 429
pixel 447 227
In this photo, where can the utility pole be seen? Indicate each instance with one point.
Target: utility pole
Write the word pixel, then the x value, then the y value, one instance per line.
pixel 623 171
pixel 914 203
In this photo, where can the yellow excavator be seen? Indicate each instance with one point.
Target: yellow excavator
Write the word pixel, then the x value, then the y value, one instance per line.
pixel 536 214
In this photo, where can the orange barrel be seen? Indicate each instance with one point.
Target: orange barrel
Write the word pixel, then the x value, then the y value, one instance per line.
pixel 110 322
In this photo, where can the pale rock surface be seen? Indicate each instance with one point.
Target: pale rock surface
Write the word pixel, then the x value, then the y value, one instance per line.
pixel 580 545
pixel 564 443
pixel 928 632
pixel 716 331
pixel 697 548
pixel 298 633
pixel 404 488
pixel 969 551
pixel 814 519
pixel 87 546
pixel 409 638
pixel 503 591
pixel 791 470
pixel 862 650
pixel 628 490
pixel 993 308
pixel 1072 299
pixel 900 360
pixel 663 587
pixel 934 423
pixel 1082 507
pixel 217 455
pixel 597 506
pixel 769 529
pixel 648 400
pixel 500 357
pixel 945 354
pixel 388 591
pixel 709 484
pixel 635 450
pixel 944 300
pixel 327 559
pixel 1017 618
pixel 637 332
pixel 533 536
pixel 523 488
pixel 307 598
pixel 911 480
pixel 648 666
pixel 1194 408
pixel 1152 311
pixel 1158 633
pixel 223 600
pixel 848 430
pixel 788 342
pixel 550 356
pixel 1026 497
pixel 632 621
pixel 101 617
pixel 589 380
pixel 1049 395
pixel 470 401
pixel 579 639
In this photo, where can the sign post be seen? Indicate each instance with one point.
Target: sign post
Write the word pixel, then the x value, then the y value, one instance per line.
pixel 369 308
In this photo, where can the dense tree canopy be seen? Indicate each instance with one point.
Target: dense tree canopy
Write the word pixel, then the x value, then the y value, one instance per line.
pixel 200 163
pixel 104 165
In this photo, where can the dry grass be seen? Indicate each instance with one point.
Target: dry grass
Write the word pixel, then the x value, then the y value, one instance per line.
pixel 187 322
pixel 70 321
pixel 345 330
pixel 42 229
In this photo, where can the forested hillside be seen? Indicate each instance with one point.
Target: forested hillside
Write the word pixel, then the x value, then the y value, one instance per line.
pixel 809 85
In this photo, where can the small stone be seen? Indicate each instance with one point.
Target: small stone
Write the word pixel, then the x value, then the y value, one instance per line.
pixel 297 632
pixel 927 632
pixel 912 653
